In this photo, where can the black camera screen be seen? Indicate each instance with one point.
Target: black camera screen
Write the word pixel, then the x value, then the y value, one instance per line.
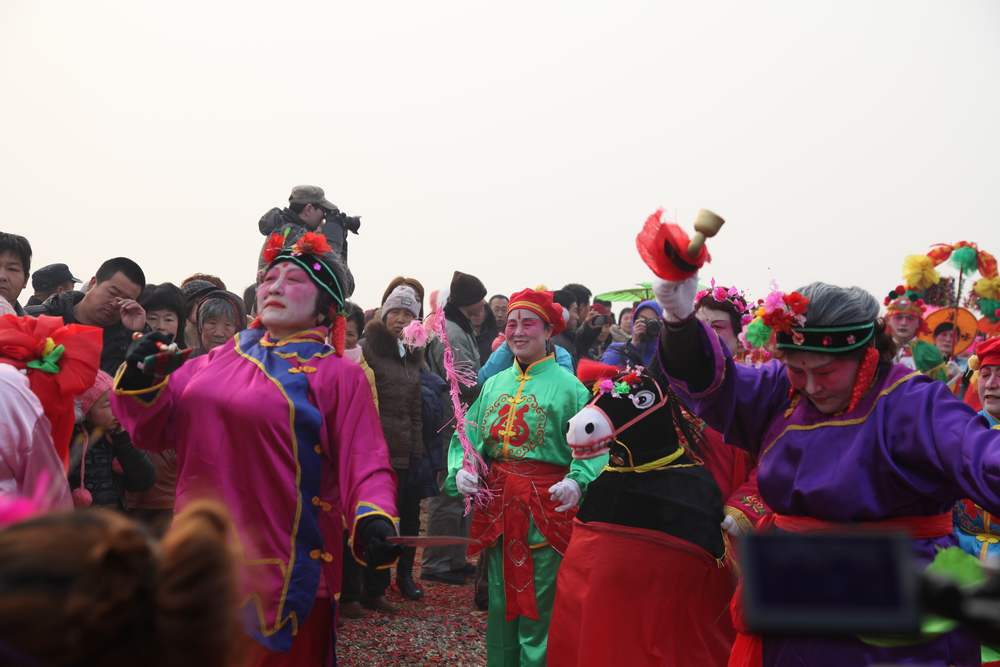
pixel 823 584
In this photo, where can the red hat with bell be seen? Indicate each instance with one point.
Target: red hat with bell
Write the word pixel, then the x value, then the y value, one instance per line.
pixel 541 304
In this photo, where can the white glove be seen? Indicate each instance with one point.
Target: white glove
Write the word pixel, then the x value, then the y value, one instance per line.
pixel 730 526
pixel 567 492
pixel 467 482
pixel 676 298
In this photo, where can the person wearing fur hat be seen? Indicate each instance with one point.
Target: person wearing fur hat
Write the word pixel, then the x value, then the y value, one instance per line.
pixel 518 426
pixel 280 428
pixel 397 378
pixel 446 514
pixel 103 464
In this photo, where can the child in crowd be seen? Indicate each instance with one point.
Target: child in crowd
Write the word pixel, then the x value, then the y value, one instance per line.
pixel 103 462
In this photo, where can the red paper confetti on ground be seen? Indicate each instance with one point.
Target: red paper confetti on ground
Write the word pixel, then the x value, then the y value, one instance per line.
pixel 444 628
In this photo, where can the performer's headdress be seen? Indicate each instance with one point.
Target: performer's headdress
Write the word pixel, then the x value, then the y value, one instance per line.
pixel 987 354
pixel 541 304
pixel 729 299
pixel 782 323
pixel 312 253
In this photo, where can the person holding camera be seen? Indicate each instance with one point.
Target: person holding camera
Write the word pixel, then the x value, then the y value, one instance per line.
pixel 310 211
pixel 599 321
pixel 640 349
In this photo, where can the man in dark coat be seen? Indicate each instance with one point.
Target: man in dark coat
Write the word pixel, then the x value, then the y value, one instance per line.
pixel 307 209
pixel 110 303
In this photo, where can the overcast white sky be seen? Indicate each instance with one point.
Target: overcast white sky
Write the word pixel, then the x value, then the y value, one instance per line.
pixel 522 142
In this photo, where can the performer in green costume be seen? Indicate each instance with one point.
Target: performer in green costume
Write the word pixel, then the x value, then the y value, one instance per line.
pixel 518 425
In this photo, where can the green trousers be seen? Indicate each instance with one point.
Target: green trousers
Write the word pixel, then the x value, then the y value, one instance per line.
pixel 521 642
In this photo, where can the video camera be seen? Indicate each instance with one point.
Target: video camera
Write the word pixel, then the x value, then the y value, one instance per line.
pixel 837 585
pixel 351 223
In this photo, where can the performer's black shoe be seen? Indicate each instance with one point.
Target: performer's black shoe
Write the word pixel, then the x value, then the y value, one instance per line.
pixel 407 587
pixel 453 578
pixel 466 570
pixel 379 604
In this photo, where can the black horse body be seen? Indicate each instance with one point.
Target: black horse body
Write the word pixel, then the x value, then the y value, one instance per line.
pixel 679 497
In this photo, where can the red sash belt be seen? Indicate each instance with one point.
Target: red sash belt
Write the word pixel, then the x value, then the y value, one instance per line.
pixel 521 492
pixel 917 527
pixel 748 649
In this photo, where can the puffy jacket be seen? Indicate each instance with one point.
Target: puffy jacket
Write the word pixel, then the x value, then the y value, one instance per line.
pixel 434 394
pixel 106 486
pixel 398 382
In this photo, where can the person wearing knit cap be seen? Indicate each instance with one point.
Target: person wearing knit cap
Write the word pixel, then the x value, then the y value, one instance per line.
pixel 283 431
pixel 518 426
pixel 397 380
pixel 98 445
pixel 446 514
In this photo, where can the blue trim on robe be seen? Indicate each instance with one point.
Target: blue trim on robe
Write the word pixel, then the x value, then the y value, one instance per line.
pixel 305 571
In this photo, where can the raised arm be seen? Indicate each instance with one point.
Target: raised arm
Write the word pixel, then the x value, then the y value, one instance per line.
pixel 736 400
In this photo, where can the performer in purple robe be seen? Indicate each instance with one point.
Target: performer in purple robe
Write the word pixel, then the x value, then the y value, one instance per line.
pixel 281 429
pixel 843 437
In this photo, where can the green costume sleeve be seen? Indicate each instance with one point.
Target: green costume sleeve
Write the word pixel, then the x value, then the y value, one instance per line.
pixel 584 471
pixel 455 452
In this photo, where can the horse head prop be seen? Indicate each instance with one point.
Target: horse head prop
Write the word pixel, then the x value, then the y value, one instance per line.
pixel 637 422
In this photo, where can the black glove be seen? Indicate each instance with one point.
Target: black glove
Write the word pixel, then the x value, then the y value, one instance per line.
pixel 135 378
pixel 377 551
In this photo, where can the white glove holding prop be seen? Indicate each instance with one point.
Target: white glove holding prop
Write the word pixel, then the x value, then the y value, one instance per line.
pixel 567 492
pixel 676 298
pixel 467 482
pixel 730 526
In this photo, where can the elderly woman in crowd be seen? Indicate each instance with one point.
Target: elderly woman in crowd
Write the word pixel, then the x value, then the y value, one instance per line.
pixel 397 379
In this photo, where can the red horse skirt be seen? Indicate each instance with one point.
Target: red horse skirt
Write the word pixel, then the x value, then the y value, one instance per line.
pixel 632 596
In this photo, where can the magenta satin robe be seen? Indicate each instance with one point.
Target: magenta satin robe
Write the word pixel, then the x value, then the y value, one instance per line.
pixel 285 436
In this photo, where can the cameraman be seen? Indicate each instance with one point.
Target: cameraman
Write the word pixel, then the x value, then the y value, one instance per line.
pixel 307 210
pixel 641 348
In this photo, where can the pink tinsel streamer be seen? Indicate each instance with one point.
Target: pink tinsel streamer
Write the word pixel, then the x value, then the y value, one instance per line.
pixel 458 377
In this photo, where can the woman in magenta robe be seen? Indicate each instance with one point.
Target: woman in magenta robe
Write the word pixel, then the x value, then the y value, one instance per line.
pixel 282 430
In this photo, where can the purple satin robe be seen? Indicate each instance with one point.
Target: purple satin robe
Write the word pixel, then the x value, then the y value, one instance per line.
pixel 909 448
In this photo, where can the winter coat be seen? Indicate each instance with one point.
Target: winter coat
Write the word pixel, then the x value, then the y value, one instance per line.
pixel 487 334
pixel 397 380
pixel 279 220
pixel 117 337
pixel 434 394
pixel 106 486
pixel 466 355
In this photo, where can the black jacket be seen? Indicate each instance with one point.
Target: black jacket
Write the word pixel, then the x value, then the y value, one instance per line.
pixel 117 338
pixel 105 485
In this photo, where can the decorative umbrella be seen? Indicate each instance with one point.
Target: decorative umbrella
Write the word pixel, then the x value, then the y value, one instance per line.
pixel 641 292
